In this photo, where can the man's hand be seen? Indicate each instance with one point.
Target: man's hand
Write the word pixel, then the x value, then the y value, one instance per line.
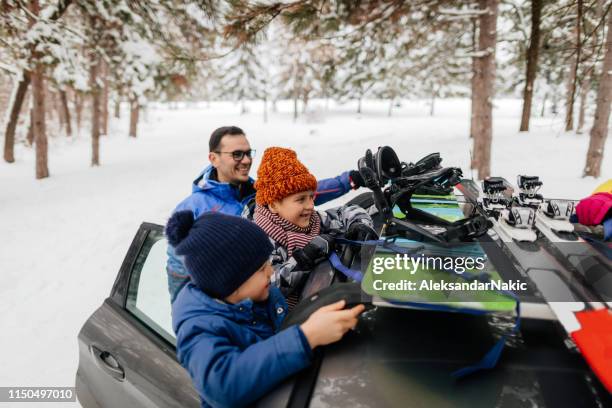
pixel 328 324
pixel 318 247
pixel 356 179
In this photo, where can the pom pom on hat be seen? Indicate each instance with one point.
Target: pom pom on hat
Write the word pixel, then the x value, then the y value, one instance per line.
pixel 178 226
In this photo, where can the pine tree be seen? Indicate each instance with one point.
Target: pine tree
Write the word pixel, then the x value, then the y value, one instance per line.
pixel 245 76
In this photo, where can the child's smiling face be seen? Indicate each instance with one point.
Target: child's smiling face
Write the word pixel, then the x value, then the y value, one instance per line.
pixel 295 208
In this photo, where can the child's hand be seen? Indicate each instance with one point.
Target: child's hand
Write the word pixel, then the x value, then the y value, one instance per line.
pixel 359 231
pixel 318 247
pixel 329 323
pixel 321 245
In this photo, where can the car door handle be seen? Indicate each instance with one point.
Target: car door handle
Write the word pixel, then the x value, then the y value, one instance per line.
pixel 108 363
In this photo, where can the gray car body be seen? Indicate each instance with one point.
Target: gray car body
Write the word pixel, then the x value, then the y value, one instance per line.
pixel 395 358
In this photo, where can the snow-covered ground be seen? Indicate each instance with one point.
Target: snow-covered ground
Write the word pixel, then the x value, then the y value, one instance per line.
pixel 64 237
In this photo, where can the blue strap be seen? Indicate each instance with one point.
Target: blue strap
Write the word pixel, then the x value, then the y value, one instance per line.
pixel 491 358
pixel 350 273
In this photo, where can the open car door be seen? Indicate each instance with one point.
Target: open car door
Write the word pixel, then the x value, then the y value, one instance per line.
pixel 127 347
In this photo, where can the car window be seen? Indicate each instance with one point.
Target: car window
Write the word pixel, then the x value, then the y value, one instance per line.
pixel 148 297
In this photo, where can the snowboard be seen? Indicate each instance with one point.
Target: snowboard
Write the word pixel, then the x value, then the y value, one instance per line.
pixel 438 291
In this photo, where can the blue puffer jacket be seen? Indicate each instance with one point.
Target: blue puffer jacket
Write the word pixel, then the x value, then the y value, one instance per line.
pixel 235 353
pixel 212 195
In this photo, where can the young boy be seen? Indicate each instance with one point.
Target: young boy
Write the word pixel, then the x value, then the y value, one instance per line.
pixel 227 318
pixel 285 211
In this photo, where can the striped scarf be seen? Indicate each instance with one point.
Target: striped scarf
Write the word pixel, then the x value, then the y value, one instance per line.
pixel 284 232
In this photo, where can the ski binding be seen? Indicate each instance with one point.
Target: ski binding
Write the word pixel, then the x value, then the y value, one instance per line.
pixel 528 191
pixel 555 214
pixel 517 224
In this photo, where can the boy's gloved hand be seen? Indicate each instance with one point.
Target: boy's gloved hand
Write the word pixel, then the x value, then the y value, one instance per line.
pixel 318 247
pixel 356 179
pixel 358 231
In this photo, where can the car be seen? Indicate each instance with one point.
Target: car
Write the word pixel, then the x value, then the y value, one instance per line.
pixel 396 357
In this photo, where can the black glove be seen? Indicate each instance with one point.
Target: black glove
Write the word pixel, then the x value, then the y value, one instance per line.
pixel 318 247
pixel 356 179
pixel 358 231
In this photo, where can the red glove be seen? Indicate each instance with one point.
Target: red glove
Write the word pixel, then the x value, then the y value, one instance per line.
pixel 592 210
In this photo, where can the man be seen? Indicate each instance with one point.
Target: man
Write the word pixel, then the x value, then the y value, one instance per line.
pixel 225 186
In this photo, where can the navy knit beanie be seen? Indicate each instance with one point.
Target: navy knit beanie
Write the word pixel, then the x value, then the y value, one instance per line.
pixel 221 251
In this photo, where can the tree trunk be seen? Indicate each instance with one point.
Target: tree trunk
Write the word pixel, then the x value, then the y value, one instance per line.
pixel 599 131
pixel 359 105
pixel 134 111
pixel 532 63
pixel 11 126
pixel 50 107
pixel 483 92
pixel 105 90
pixel 265 110
pixel 66 114
pixel 78 109
pixel 60 111
pixel 117 113
pixel 390 107
pixel 434 93
pixel 118 97
pixel 573 78
pixel 305 102
pixel 38 116
pixel 295 107
pixel 30 134
pixel 584 93
pixel 475 70
pixel 38 105
pixel 544 104
pixel 94 67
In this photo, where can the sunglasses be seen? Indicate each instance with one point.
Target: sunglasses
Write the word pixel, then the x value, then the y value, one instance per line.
pixel 238 155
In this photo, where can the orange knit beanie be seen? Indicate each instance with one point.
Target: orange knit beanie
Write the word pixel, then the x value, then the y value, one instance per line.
pixel 281 174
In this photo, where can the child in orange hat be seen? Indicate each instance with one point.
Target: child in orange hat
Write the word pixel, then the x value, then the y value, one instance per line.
pixel 285 211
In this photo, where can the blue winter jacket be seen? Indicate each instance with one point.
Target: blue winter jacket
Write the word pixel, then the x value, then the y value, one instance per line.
pixel 211 195
pixel 235 353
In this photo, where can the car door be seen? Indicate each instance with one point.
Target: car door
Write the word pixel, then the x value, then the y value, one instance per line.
pixel 127 347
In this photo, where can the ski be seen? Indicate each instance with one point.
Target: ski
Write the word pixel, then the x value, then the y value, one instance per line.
pixel 557 234
pixel 586 321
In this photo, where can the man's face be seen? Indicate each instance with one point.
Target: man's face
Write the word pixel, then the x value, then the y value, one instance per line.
pixel 230 170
